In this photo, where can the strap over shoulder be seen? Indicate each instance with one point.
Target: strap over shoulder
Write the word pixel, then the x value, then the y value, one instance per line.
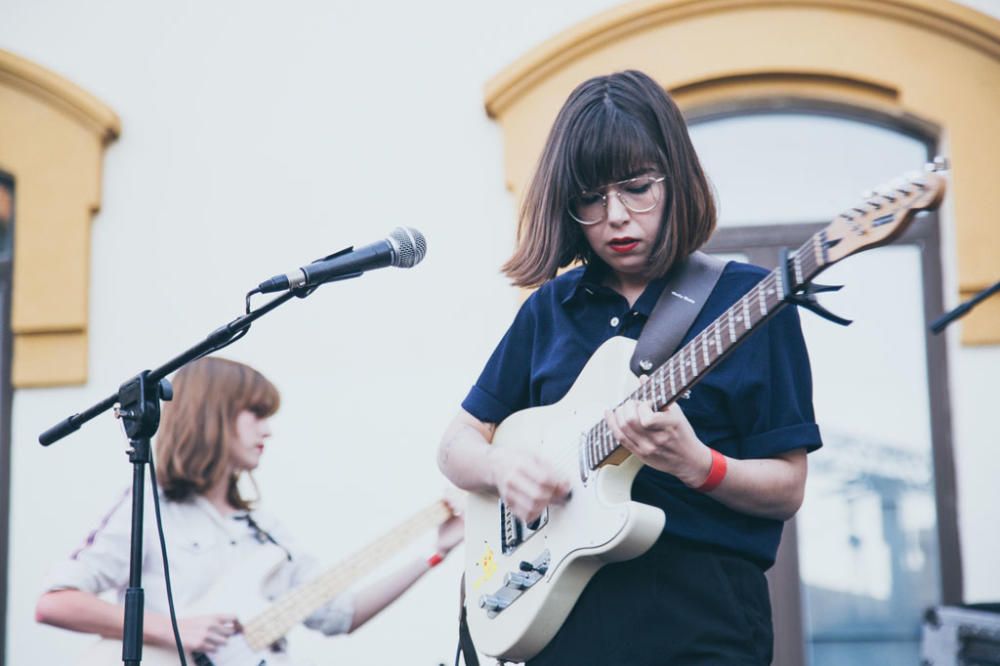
pixel 682 299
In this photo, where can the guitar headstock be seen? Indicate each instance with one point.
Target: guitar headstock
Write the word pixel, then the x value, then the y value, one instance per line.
pixel 884 214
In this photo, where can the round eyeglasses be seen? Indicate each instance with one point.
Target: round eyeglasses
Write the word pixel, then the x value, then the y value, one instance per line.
pixel 639 195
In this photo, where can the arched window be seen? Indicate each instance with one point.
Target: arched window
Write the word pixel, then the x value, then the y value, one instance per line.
pixel 865 554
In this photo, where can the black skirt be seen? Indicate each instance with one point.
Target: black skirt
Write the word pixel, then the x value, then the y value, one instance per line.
pixel 680 604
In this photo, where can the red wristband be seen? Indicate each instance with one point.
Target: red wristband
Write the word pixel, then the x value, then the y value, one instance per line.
pixel 434 560
pixel 716 473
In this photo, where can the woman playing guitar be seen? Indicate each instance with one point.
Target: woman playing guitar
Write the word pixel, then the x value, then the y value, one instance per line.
pixel 620 189
pixel 212 432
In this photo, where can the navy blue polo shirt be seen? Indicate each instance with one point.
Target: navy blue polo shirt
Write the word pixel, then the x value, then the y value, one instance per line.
pixel 755 404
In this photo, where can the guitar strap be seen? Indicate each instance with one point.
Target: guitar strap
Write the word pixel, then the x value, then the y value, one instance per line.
pixel 683 297
pixel 465 644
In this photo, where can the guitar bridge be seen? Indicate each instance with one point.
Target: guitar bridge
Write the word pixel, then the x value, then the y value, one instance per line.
pixel 514 531
pixel 516 583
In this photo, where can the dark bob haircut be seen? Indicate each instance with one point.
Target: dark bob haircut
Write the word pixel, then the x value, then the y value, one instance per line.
pixel 611 128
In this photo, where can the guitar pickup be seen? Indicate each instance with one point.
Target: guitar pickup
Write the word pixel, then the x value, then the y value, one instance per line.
pixel 514 531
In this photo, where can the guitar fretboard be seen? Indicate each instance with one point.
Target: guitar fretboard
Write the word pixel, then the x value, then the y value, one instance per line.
pixel 686 367
pixel 298 604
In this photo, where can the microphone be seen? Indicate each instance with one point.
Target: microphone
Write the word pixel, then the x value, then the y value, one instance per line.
pixel 405 247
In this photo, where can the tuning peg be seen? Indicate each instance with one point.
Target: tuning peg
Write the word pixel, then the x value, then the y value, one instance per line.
pixel 887 194
pixel 871 198
pixel 917 179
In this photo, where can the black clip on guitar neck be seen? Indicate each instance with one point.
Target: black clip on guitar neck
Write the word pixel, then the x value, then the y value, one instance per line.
pixel 804 295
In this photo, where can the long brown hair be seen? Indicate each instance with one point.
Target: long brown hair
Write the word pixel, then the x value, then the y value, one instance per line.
pixel 611 128
pixel 198 427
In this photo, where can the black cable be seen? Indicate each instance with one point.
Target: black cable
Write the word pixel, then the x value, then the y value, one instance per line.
pixel 248 297
pixel 166 565
pixel 225 344
pixel 159 520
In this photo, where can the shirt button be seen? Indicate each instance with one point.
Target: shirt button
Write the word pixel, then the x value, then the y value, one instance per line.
pixel 615 321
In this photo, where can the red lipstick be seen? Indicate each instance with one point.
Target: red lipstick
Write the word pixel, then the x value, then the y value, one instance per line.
pixel 623 245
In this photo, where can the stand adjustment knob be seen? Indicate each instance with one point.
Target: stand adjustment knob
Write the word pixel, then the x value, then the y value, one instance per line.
pixel 166 390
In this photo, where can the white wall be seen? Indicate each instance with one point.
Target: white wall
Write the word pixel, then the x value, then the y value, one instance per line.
pixel 256 138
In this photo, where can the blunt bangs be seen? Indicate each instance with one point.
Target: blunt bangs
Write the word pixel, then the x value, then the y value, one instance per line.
pixel 611 128
pixel 606 145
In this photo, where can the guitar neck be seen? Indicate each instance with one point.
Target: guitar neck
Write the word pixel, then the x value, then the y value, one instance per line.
pixel 298 604
pixel 693 361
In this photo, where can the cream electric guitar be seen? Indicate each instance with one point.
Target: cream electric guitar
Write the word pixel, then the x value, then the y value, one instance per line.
pixel 240 589
pixel 521 579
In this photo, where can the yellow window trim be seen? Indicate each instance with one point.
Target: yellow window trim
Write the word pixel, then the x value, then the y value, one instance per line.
pixel 52 140
pixel 930 63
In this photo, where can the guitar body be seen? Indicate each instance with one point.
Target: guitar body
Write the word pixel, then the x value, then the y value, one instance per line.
pixel 108 652
pixel 599 524
pixel 239 591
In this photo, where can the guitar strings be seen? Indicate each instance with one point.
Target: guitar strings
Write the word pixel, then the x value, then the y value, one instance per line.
pixel 569 461
pixel 295 605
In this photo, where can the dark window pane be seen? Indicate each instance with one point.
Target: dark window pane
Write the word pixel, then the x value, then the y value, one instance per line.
pixel 6 214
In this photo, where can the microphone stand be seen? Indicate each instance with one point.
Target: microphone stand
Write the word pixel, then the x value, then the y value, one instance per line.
pixel 138 401
pixel 942 322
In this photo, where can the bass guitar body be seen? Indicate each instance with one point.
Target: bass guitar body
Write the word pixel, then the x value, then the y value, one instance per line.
pixel 236 652
pixel 523 579
pixel 240 589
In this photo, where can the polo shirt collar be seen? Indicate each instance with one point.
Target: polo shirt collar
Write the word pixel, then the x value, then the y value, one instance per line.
pixel 589 282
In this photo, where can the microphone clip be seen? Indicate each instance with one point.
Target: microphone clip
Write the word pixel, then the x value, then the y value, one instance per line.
pixel 303 291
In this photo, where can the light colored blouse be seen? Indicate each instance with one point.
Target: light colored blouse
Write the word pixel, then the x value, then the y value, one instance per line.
pixel 202 546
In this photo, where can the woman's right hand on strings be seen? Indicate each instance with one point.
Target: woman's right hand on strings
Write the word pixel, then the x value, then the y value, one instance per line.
pixel 526 482
pixel 206 633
